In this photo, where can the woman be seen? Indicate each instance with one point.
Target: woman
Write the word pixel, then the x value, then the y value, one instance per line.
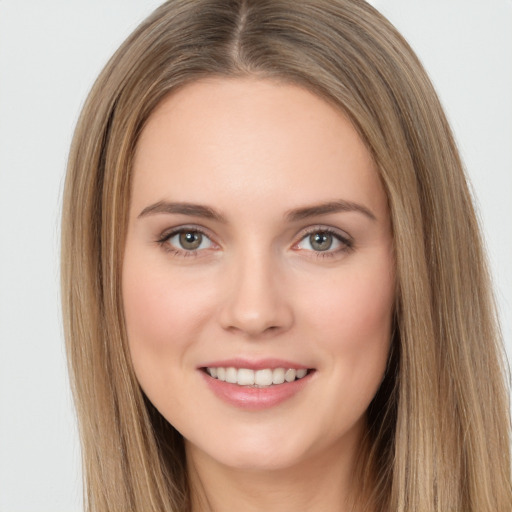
pixel 234 347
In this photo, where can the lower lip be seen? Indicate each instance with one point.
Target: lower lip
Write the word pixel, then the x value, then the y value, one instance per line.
pixel 255 399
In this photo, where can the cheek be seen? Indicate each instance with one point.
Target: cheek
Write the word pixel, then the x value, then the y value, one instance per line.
pixel 160 309
pixel 355 309
pixel 147 309
pixel 147 324
pixel 354 314
pixel 163 315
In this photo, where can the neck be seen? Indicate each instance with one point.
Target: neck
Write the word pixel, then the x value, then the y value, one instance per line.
pixel 325 482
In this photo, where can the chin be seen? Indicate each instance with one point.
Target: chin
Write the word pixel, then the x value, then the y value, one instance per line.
pixel 259 450
pixel 259 460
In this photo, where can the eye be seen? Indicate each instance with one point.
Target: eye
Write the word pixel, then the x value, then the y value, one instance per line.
pixel 324 241
pixel 186 240
pixel 320 241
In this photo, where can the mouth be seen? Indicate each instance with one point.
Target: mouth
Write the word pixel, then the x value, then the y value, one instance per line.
pixel 262 378
pixel 256 385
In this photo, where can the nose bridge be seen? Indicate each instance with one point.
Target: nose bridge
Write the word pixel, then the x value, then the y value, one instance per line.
pixel 256 301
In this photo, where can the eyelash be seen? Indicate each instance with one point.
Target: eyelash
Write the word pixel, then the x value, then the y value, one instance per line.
pixel 167 235
pixel 346 242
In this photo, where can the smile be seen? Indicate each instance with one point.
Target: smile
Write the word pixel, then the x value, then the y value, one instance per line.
pixel 262 378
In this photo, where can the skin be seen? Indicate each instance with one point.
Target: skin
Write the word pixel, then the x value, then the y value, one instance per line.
pixel 253 150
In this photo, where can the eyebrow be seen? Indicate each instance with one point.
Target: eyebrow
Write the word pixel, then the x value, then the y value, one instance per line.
pixel 297 214
pixel 195 210
pixel 326 208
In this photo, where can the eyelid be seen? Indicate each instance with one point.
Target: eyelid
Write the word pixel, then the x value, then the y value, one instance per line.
pixel 343 237
pixel 169 233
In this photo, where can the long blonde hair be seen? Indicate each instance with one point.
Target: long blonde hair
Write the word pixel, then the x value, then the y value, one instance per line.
pixel 439 428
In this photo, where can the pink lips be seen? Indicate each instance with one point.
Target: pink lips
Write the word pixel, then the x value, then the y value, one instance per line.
pixel 254 398
pixel 255 365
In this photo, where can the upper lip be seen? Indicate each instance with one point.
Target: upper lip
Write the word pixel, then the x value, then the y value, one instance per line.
pixel 255 364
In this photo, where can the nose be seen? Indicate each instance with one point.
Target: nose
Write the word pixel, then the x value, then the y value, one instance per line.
pixel 257 301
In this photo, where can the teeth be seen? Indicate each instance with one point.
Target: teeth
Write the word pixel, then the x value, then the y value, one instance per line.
pixel 231 375
pixel 258 378
pixel 290 375
pixel 221 374
pixel 301 373
pixel 278 376
pixel 245 377
pixel 263 378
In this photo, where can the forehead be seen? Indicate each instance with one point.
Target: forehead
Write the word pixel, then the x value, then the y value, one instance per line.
pixel 248 141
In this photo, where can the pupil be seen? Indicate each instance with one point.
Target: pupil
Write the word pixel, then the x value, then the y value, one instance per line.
pixel 321 241
pixel 190 240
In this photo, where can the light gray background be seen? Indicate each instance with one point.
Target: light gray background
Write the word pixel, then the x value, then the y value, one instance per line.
pixel 50 53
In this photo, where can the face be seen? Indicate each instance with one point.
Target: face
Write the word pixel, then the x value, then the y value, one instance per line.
pixel 258 276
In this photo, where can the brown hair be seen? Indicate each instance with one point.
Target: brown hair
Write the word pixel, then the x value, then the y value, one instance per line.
pixel 439 428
